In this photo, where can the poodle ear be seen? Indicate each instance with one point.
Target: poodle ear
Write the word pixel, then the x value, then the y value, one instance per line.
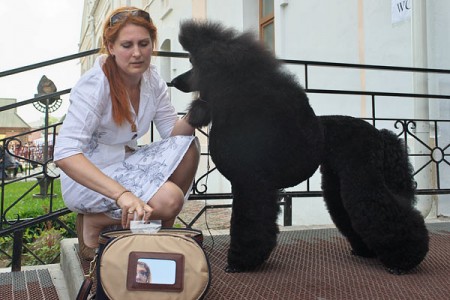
pixel 199 113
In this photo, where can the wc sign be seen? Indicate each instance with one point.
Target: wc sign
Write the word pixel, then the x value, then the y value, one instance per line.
pixel 401 10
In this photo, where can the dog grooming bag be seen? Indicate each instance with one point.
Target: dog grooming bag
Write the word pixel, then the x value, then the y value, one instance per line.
pixel 169 264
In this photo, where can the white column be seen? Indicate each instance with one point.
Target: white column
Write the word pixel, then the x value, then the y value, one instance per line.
pixel 421 108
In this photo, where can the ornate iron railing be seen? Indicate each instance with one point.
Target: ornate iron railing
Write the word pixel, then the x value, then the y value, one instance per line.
pixel 41 173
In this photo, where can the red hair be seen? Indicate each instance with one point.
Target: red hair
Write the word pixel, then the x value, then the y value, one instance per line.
pixel 121 109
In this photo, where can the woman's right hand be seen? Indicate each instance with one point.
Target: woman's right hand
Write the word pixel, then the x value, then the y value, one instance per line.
pixel 133 206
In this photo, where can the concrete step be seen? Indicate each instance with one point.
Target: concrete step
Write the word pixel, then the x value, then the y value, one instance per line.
pixel 71 266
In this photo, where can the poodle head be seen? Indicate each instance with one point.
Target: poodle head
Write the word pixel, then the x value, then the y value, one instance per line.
pixel 223 61
pixel 222 53
pixel 198 37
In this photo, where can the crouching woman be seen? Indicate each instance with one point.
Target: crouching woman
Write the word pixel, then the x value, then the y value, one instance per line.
pixel 106 178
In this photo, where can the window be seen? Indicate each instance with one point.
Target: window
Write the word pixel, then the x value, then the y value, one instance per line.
pixel 266 23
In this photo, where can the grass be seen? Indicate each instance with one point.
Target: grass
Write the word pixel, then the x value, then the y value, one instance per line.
pixel 30 206
pixel 43 239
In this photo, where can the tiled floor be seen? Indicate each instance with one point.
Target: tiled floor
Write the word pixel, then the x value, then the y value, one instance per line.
pixel 33 283
pixel 306 264
pixel 317 264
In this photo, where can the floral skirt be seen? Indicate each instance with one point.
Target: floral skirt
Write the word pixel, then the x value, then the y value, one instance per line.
pixel 143 173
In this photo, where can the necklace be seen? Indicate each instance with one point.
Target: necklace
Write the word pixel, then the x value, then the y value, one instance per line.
pixel 134 129
pixel 135 107
pixel 133 124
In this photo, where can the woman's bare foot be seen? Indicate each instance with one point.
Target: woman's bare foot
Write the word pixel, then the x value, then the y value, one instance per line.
pixel 93 224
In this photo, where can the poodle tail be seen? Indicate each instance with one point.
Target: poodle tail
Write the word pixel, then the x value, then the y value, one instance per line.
pixel 398 171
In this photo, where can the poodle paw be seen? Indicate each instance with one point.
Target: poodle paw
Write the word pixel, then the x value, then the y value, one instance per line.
pixel 199 113
pixel 368 254
pixel 396 271
pixel 233 269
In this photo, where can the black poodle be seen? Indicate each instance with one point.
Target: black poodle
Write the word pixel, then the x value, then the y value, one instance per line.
pixel 265 136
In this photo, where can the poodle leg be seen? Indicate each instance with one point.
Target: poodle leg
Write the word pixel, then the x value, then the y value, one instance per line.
pixel 398 171
pixel 395 231
pixel 332 196
pixel 253 227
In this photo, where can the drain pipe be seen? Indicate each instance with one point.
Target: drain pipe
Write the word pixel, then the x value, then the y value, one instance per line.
pixel 91 20
pixel 421 105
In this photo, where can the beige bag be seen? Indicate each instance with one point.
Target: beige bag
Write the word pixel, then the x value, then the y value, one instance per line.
pixel 169 264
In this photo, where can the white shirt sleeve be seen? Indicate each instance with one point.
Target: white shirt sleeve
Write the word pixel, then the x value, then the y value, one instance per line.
pixel 89 126
pixel 87 105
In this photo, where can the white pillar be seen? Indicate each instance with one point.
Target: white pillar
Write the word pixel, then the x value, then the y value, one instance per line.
pixel 421 107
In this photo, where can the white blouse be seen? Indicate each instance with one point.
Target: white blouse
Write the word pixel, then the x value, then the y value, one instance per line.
pixel 89 127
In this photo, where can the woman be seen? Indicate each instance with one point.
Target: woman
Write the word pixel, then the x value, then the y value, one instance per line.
pixel 8 162
pixel 143 274
pixel 106 178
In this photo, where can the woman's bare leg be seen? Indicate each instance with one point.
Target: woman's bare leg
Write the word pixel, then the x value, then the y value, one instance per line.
pixel 185 172
pixel 93 224
pixel 167 201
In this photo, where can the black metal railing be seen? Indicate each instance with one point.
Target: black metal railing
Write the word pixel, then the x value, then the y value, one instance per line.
pixel 41 171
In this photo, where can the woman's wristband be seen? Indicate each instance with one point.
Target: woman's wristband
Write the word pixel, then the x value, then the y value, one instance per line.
pixel 121 194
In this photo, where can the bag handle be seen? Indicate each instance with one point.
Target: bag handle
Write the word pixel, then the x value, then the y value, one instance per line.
pixel 195 234
pixel 85 292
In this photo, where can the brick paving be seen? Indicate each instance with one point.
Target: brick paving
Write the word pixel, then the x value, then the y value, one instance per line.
pixel 217 218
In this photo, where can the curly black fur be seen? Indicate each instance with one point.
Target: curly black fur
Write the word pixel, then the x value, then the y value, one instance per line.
pixel 368 187
pixel 199 113
pixel 265 136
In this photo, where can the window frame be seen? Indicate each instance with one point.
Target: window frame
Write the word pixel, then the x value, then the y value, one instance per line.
pixel 264 21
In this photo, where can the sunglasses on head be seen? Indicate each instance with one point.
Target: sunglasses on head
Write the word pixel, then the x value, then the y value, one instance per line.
pixel 125 13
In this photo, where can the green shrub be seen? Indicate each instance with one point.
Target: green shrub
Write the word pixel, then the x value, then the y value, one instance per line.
pixel 45 246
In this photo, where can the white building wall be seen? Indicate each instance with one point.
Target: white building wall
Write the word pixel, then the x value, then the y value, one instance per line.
pixel 350 31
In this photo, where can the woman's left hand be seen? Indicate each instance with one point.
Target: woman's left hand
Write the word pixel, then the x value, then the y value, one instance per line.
pixel 133 208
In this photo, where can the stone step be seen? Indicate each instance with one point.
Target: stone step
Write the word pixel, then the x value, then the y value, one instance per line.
pixel 71 266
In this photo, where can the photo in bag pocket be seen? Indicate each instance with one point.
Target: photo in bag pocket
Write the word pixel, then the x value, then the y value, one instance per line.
pixel 178 267
pixel 155 271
